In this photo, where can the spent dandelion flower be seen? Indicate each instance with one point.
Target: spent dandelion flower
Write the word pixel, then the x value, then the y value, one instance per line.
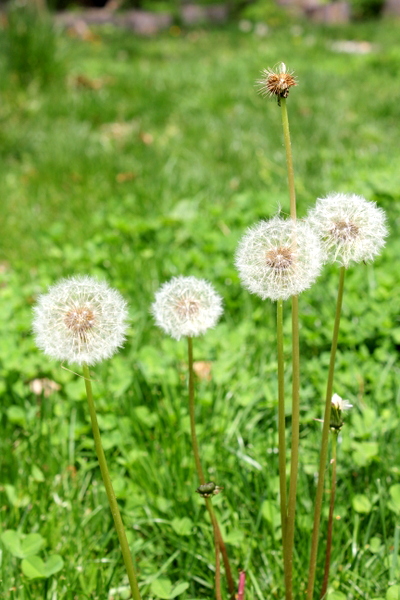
pixel 186 306
pixel 351 228
pixel 80 320
pixel 338 406
pixel 279 258
pixel 276 82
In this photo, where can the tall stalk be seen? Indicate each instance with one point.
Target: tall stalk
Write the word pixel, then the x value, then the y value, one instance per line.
pixel 330 518
pixel 325 440
pixel 294 459
pixel 281 420
pixel 119 526
pixel 200 473
pixel 289 157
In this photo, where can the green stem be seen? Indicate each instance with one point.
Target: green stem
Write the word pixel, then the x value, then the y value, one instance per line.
pixel 119 526
pixel 200 473
pixel 217 549
pixel 195 445
pixel 281 420
pixel 330 518
pixel 325 441
pixel 289 158
pixel 294 458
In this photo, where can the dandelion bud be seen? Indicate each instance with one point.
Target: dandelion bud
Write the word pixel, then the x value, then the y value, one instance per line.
pixel 80 320
pixel 338 405
pixel 351 228
pixel 186 306
pixel 209 489
pixel 276 83
pixel 279 258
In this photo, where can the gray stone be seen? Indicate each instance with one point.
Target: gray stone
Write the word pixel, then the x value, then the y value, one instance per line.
pixel 331 14
pixel 392 8
pixel 193 14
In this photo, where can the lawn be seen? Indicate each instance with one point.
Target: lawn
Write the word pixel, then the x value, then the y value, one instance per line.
pixel 138 159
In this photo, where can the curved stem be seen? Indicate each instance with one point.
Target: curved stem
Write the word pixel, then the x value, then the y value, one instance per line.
pixel 330 518
pixel 325 440
pixel 119 526
pixel 200 473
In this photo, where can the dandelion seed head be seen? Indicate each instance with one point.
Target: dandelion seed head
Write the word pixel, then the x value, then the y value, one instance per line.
pixel 279 258
pixel 351 228
pixel 276 82
pixel 186 306
pixel 80 320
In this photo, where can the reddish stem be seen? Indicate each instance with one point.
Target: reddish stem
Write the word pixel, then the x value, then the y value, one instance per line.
pixel 242 584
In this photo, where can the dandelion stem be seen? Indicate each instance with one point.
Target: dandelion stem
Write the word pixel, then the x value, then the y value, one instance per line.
pixel 119 526
pixel 217 549
pixel 281 421
pixel 200 474
pixel 242 585
pixel 289 158
pixel 325 440
pixel 330 518
pixel 295 435
pixel 195 445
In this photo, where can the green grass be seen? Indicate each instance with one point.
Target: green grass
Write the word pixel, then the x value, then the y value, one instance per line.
pixel 155 170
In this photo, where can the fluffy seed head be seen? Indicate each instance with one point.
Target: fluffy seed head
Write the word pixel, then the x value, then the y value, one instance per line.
pixel 351 228
pixel 80 320
pixel 276 82
pixel 186 306
pixel 279 258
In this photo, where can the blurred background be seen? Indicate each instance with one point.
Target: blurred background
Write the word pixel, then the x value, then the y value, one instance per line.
pixel 134 146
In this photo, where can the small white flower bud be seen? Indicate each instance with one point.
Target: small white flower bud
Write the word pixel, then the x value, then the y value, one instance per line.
pixel 80 320
pixel 279 258
pixel 351 228
pixel 338 405
pixel 186 306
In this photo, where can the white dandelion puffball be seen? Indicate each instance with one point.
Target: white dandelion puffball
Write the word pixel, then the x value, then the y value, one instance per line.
pixel 351 228
pixel 186 306
pixel 279 258
pixel 80 320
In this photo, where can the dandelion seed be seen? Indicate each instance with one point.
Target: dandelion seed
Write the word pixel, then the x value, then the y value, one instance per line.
pixel 80 320
pixel 186 306
pixel 276 83
pixel 351 228
pixel 279 258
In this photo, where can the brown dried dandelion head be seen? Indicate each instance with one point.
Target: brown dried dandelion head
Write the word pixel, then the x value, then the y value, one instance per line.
pixel 276 82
